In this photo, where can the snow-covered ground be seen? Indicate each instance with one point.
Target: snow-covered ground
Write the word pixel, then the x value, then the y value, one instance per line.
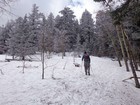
pixel 65 84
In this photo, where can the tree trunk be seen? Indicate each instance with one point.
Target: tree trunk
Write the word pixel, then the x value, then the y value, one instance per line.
pixel 116 51
pixel 43 65
pixel 130 56
pixel 133 58
pixel 63 55
pixel 43 46
pixel 115 48
pixel 135 75
pixel 122 47
pixel 23 58
pixel 13 57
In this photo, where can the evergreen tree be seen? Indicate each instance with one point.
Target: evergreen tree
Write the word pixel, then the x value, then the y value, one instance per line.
pixel 78 47
pixel 25 47
pixel 87 31
pixel 4 36
pixel 43 34
pixel 34 28
pixel 104 27
pixel 14 40
pixel 66 23
pixel 131 24
pixel 50 32
pixel 19 42
pixel 2 40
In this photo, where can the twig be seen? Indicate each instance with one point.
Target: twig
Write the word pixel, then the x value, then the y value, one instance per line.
pixel 138 70
pixel 3 9
pixel 65 65
pixel 1 72
pixel 52 65
pixel 129 78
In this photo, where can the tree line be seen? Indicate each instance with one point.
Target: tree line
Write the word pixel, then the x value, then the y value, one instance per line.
pixel 64 33
pixel 115 33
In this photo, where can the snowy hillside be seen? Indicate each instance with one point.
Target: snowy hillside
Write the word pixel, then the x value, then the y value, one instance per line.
pixel 65 84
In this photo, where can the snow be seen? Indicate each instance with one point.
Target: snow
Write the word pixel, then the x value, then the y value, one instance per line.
pixel 65 84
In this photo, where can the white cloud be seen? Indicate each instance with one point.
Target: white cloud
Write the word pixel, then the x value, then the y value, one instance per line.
pixel 45 6
pixel 91 6
pixel 22 7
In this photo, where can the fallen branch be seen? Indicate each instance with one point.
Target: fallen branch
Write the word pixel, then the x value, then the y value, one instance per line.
pixel 129 78
pixel 8 60
pixel 27 66
pixel 138 70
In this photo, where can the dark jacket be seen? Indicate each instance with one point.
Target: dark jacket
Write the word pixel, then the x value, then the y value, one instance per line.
pixel 86 58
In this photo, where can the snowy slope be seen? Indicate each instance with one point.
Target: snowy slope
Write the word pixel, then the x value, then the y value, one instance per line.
pixel 65 84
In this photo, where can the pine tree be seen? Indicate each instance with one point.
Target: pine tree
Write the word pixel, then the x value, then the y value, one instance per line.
pixel 78 47
pixel 104 27
pixel 14 40
pixel 50 25
pixel 34 28
pixel 25 46
pixel 4 36
pixel 87 31
pixel 66 23
pixel 19 42
pixel 2 41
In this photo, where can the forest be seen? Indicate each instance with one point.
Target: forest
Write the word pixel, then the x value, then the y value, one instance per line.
pixel 41 56
pixel 113 33
pixel 64 33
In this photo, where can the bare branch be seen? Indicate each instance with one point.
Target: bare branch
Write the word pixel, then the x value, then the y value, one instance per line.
pixel 5 10
pixel 129 78
pixel 3 7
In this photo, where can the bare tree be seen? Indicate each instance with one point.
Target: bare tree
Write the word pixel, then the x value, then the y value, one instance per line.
pixel 5 5
pixel 42 45
pixel 43 53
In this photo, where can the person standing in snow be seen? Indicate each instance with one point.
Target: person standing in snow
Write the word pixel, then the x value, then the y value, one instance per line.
pixel 86 59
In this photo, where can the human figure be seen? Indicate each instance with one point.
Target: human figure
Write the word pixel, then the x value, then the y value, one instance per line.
pixel 86 59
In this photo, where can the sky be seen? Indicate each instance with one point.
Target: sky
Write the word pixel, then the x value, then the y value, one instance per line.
pixel 22 7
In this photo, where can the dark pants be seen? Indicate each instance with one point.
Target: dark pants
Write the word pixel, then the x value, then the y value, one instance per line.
pixel 87 68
